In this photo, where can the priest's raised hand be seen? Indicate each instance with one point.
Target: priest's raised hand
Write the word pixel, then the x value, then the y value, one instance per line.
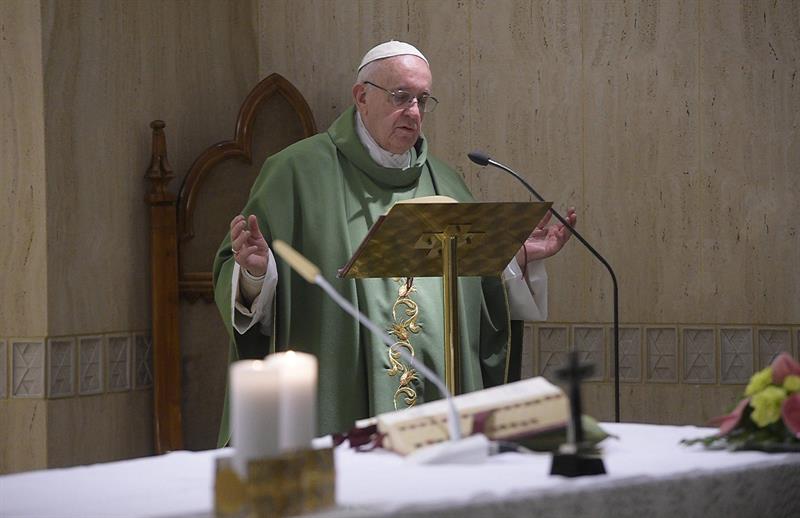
pixel 546 240
pixel 248 245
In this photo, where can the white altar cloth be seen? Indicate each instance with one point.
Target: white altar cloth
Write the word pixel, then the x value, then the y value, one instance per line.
pixel 649 473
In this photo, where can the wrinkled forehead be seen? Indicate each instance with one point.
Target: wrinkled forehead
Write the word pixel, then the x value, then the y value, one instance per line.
pixel 407 72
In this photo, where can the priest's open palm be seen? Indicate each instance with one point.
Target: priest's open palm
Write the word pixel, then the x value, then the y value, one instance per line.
pixel 546 240
pixel 248 245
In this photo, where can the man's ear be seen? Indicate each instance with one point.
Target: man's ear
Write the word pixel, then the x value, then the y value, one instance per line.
pixel 360 95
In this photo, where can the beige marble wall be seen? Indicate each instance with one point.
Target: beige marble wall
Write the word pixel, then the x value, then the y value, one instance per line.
pixel 640 174
pixel 81 82
pixel 110 67
pixel 23 229
pixel 672 126
pixel 749 119
pixel 23 429
pixel 99 428
pixel 23 290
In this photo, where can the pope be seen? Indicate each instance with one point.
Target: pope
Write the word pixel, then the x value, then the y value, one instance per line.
pixel 321 195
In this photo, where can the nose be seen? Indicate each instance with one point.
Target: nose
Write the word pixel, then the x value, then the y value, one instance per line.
pixel 413 108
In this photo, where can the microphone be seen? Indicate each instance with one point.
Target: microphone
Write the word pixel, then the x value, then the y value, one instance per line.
pixel 479 157
pixel 482 159
pixel 311 273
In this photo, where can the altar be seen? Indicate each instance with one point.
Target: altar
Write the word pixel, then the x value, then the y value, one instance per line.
pixel 649 474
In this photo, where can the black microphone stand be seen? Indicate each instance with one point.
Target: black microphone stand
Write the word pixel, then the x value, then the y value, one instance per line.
pixel 483 160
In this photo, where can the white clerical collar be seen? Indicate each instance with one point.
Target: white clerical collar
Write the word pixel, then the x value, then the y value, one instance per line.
pixel 378 154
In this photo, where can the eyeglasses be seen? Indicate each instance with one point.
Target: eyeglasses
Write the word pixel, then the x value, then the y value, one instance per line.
pixel 402 99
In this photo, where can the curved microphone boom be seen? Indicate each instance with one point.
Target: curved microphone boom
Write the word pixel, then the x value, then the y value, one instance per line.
pixel 483 159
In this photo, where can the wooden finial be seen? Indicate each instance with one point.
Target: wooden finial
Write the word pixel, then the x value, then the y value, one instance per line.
pixel 159 173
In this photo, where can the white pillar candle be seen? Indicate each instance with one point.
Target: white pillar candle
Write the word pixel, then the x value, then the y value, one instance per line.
pixel 273 406
pixel 254 413
pixel 297 402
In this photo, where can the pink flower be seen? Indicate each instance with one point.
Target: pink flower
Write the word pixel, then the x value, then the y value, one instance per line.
pixel 784 365
pixel 728 422
pixel 790 410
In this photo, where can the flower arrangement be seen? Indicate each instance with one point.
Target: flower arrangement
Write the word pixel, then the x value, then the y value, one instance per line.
pixel 768 418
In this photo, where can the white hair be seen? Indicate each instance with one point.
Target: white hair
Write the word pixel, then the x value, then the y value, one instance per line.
pixel 367 72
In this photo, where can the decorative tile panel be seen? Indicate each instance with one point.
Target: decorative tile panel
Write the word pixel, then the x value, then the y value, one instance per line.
pixel 90 369
pixel 772 342
pixel 630 354
pixel 3 369
pixel 60 367
pixel 553 350
pixel 797 343
pixel 143 361
pixel 590 343
pixel 699 355
pixel 528 368
pixel 662 354
pixel 118 355
pixel 736 355
pixel 27 366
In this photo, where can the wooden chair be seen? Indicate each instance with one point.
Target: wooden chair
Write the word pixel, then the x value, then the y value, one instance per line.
pixel 190 344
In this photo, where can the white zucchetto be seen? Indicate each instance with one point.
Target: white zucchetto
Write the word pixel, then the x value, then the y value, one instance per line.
pixel 390 49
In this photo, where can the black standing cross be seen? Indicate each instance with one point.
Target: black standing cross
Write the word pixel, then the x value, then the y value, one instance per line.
pixel 574 459
pixel 573 373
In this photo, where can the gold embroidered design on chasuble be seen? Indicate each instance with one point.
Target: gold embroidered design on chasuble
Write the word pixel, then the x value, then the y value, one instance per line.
pixel 402 329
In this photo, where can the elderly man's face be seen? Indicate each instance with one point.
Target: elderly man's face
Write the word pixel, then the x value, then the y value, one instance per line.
pixel 395 129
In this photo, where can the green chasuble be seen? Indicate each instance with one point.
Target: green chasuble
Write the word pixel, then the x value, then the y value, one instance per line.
pixel 321 195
